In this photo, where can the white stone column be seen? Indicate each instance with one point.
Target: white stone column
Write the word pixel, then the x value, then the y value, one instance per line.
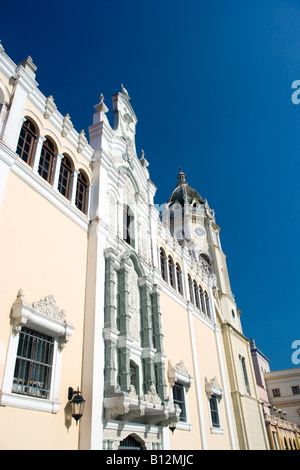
pixel 74 178
pixel 88 198
pixel 37 152
pixel 56 169
pixel 197 382
pixel 3 116
pixel 24 84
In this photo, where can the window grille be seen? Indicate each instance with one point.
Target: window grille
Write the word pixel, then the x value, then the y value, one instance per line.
pixel 33 369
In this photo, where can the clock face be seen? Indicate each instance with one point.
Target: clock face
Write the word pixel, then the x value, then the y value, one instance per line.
pixel 200 232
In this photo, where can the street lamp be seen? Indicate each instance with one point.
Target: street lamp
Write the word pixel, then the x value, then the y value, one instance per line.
pixel 77 403
pixel 172 426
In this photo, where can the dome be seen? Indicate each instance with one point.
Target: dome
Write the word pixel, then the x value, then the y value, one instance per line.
pixel 183 191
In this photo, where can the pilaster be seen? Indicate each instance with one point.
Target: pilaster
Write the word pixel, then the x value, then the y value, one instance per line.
pixel 24 84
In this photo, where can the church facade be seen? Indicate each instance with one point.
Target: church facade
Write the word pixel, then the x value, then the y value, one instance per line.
pixel 104 291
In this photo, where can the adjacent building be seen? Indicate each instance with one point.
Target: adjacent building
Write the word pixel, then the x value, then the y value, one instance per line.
pixel 105 290
pixel 279 392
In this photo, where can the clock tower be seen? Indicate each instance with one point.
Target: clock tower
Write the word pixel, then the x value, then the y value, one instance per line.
pixel 185 213
pixel 192 222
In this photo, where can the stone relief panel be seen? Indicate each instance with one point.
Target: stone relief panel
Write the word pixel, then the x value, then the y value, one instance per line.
pixel 143 241
pixel 134 304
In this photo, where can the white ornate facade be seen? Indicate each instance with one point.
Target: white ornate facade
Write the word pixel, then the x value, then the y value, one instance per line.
pixel 149 331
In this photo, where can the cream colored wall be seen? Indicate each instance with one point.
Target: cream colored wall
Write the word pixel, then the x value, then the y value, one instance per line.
pixel 177 346
pixel 42 252
pixel 209 367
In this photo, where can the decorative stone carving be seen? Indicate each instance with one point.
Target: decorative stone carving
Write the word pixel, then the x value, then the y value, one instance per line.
pixel 143 160
pixel 50 107
pixel 134 303
pixel 152 396
pixel 212 387
pixel 180 367
pixel 67 125
pixel 48 307
pixel 82 141
pixel 132 393
pixel 41 313
pixel 179 373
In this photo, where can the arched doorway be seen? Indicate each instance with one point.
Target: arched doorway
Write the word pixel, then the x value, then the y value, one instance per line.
pixel 130 443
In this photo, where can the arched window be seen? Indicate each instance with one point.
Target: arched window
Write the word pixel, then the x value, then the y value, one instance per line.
pixel 46 161
pixel 205 257
pixel 162 256
pixel 26 143
pixel 128 225
pixel 196 294
pixel 171 271
pixel 134 376
pixel 65 174
pixel 81 193
pixel 202 299
pixel 191 288
pixel 179 279
pixel 207 305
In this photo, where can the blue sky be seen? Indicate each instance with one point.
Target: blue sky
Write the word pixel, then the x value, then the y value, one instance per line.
pixel 210 82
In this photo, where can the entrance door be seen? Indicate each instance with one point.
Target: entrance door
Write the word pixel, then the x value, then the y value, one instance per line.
pixel 129 443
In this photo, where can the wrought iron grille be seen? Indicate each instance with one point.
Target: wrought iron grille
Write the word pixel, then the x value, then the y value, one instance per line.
pixel 33 367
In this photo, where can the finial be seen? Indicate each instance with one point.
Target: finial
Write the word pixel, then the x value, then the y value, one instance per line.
pixel 20 294
pixel 181 177
pixel 125 92
pixel 143 160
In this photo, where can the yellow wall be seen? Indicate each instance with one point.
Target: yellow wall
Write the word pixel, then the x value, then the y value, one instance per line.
pixel 177 346
pixel 42 252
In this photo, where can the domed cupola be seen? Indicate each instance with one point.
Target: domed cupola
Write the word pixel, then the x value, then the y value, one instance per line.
pixel 184 193
pixel 185 214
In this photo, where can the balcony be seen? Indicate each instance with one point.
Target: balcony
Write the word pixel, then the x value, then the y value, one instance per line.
pixel 145 409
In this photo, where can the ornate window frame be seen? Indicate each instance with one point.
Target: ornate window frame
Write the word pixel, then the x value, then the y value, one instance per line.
pixel 179 374
pixel 45 317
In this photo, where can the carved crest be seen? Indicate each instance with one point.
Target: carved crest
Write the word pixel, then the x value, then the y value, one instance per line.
pixel 49 308
pixel 152 396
